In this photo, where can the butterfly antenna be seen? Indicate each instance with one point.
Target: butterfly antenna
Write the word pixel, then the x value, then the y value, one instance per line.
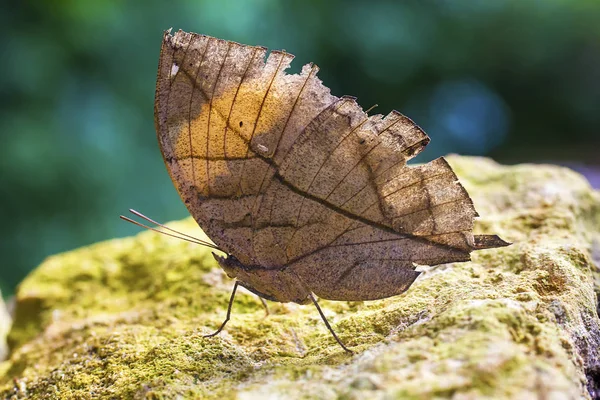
pixel 179 235
pixel 202 243
pixel 139 214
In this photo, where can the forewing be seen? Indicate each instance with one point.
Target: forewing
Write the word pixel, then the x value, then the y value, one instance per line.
pixel 279 172
pixel 219 108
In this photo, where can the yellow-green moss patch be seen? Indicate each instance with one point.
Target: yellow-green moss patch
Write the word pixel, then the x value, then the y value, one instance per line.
pixel 125 318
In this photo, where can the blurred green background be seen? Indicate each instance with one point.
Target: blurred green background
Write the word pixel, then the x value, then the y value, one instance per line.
pixel 516 80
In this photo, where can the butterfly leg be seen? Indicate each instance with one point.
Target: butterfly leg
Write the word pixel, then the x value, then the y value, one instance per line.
pixel 327 324
pixel 264 303
pixel 228 312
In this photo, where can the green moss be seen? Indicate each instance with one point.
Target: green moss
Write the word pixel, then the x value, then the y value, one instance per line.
pixel 125 318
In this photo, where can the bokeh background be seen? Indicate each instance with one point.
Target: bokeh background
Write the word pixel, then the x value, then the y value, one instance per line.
pixel 515 80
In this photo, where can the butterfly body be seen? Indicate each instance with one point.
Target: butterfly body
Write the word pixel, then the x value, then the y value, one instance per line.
pixel 280 284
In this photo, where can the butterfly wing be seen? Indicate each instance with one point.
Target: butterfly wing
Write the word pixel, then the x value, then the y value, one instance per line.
pixel 280 173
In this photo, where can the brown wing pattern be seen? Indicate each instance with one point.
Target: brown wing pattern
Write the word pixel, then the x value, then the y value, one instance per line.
pixel 279 172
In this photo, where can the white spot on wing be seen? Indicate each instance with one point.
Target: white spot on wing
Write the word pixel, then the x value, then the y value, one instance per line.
pixel 174 70
pixel 262 148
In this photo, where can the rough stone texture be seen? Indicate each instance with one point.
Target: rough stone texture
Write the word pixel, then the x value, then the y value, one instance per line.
pixel 125 318
pixel 5 322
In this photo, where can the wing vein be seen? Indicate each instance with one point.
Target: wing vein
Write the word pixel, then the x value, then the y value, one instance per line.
pixel 323 164
pixel 190 109
pixel 434 206
pixel 168 100
pixel 303 129
pixel 260 190
pixel 210 103
pixel 227 123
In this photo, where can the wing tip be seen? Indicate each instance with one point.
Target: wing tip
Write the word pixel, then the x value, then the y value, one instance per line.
pixel 489 242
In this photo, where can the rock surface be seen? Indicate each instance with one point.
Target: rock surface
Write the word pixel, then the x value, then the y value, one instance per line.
pixel 5 323
pixel 125 318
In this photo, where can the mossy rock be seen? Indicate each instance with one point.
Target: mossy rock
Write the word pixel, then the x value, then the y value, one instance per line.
pixel 126 318
pixel 5 323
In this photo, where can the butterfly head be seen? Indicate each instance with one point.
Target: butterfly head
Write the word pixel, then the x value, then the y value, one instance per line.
pixel 230 264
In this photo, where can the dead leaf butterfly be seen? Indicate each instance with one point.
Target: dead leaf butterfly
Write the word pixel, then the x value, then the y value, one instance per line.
pixel 304 193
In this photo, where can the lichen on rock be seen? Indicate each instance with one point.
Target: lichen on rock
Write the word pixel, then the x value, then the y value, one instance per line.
pixel 5 323
pixel 125 318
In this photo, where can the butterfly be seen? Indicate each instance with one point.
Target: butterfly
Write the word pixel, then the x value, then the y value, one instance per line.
pixel 304 193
